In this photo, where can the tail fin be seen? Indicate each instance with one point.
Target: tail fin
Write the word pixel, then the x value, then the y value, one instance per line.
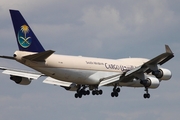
pixel 26 39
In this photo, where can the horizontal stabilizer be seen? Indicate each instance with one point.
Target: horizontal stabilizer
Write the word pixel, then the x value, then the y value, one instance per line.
pixel 7 57
pixel 40 57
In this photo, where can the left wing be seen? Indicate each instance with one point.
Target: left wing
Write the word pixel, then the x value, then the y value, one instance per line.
pixel 21 73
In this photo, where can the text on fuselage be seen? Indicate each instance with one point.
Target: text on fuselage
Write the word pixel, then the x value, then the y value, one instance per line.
pixel 119 67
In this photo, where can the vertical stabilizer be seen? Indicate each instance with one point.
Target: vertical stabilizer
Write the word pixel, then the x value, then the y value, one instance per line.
pixel 26 39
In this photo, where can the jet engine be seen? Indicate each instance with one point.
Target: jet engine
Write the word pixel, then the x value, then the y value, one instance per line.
pixel 162 74
pixel 150 82
pixel 20 80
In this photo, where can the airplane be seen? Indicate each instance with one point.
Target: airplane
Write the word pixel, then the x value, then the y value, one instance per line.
pixel 84 75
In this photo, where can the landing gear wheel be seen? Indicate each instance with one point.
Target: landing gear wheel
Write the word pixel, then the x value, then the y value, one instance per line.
pixel 146 95
pixel 93 92
pixel 76 95
pixel 116 94
pixel 83 92
pixel 100 92
pixel 112 94
pixel 80 95
pixel 87 92
pixel 97 92
pixel 118 90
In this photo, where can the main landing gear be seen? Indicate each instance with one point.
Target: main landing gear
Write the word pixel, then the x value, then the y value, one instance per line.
pixel 97 92
pixel 146 85
pixel 81 91
pixel 115 92
pixel 146 95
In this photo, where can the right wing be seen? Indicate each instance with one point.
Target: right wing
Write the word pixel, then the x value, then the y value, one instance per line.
pixel 109 80
pixel 149 66
pixel 138 72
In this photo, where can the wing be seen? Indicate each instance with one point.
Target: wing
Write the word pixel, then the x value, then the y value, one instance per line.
pixel 53 81
pixel 108 80
pixel 67 85
pixel 21 73
pixel 147 67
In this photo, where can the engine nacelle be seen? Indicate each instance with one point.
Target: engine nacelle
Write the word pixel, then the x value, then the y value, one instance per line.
pixel 163 74
pixel 20 80
pixel 151 82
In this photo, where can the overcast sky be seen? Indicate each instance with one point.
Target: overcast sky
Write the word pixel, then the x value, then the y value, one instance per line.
pixel 104 28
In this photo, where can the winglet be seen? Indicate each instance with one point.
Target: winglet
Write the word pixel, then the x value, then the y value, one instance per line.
pixel 168 50
pixel 167 56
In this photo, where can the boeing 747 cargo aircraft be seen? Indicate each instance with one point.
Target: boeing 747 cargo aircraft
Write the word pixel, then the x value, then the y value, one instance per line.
pixel 84 75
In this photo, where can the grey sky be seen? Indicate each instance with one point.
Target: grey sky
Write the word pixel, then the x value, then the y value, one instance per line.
pixel 108 29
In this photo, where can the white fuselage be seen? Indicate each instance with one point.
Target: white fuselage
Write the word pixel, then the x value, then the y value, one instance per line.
pixel 81 70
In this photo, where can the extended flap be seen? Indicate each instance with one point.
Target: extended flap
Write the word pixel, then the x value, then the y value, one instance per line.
pixel 53 81
pixel 109 80
pixel 22 74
